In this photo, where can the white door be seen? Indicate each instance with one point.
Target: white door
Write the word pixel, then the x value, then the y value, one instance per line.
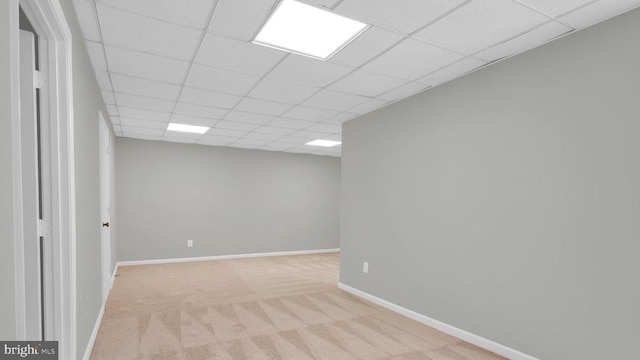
pixel 31 205
pixel 105 207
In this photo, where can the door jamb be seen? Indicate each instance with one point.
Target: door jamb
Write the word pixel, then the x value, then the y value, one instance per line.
pixel 49 20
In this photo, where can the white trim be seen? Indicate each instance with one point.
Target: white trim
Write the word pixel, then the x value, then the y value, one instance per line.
pixel 96 326
pixel 49 20
pixel 18 247
pixel 94 334
pixel 445 328
pixel 225 257
pixel 113 276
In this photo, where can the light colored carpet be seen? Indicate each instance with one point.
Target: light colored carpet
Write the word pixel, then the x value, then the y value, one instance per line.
pixel 261 308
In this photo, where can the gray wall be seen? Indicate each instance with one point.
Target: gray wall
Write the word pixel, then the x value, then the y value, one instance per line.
pixel 507 203
pixel 228 201
pixel 7 273
pixel 87 102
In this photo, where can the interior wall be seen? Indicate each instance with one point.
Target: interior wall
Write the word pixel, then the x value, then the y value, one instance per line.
pixel 227 200
pixel 7 273
pixel 506 203
pixel 87 100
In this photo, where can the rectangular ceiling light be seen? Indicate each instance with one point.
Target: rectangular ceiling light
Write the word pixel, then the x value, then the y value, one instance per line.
pixel 307 30
pixel 325 143
pixel 187 128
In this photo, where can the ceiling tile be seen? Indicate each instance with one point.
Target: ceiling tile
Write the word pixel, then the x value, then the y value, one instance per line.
pixel 143 114
pixel 411 59
pixel 236 55
pixel 145 34
pixel 365 47
pixel 87 17
pixel 227 132
pixel 208 98
pixel 310 114
pixel 533 38
pixel 195 15
pixel 262 136
pixel 112 110
pixel 181 135
pixel 200 111
pixel 272 147
pixel 108 97
pixel 335 137
pixel 311 135
pixel 365 83
pixel 262 106
pixel 267 129
pixel 248 117
pixel 142 136
pixel 103 80
pixel 481 23
pixel 236 125
pixel 404 16
pixel 146 66
pixel 216 140
pixel 334 101
pixel 598 11
pixel 114 119
pixel 96 55
pixel 555 7
pixel 117 128
pixel 193 120
pixel 209 78
pixel 321 3
pixel 144 123
pixel 294 140
pixel 369 106
pixel 143 102
pixel 403 91
pixel 291 123
pixel 252 13
pixel 136 86
pixel 302 70
pixel 341 118
pixel 278 91
pixel 325 128
pixel 451 72
pixel 250 143
pixel 143 131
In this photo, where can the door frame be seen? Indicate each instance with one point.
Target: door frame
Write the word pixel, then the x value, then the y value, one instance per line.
pixel 105 196
pixel 47 17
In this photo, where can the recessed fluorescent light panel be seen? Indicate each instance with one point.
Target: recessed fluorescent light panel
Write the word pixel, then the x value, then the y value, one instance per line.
pixel 187 128
pixel 307 30
pixel 324 143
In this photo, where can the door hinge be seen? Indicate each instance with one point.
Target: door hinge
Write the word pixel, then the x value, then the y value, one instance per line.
pixel 43 228
pixel 39 80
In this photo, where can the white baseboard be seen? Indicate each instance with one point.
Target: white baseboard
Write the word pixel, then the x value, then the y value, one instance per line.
pixel 94 334
pixel 445 328
pixel 96 326
pixel 113 276
pixel 225 257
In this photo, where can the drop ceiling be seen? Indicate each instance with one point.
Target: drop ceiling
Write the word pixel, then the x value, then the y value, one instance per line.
pixel 192 62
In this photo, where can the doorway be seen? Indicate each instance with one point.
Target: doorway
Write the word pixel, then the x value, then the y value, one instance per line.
pixel 105 206
pixel 43 173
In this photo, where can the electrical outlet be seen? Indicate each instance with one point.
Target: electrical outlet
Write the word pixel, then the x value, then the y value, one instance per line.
pixel 189 243
pixel 365 267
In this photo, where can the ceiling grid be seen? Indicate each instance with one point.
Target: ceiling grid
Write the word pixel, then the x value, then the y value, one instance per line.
pixel 158 61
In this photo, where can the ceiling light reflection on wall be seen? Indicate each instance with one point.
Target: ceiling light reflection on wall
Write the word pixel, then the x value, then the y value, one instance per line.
pixel 307 30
